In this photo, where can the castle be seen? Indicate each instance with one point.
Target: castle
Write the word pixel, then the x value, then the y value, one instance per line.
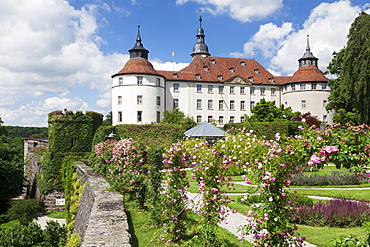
pixel 213 89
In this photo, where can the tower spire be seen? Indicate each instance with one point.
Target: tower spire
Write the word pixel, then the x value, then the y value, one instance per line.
pixel 138 51
pixel 200 48
pixel 308 59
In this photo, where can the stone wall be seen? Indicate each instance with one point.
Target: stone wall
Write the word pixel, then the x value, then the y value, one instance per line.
pixel 101 219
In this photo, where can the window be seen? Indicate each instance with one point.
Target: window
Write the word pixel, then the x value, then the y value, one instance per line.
pixel 293 87
pixel 221 120
pixel 199 119
pixel 158 82
pixel 242 90
pixel 175 87
pixel 210 89
pixel 199 104
pixel 205 68
pixel 139 80
pixel 323 86
pixel 213 61
pixel 139 99
pixel 175 103
pixel 250 79
pixel 175 75
pixel 303 86
pixel 232 70
pixel 256 71
pixel 158 117
pixel 242 118
pixel 219 77
pixel 120 117
pixel 271 79
pixel 120 81
pixel 232 105
pixel 158 101
pixel 210 104
pixel 303 103
pixel 199 88
pixel 139 116
pixel 198 76
pixel 242 105
pixel 119 100
pixel 324 102
pixel 242 63
pixel 232 89
pixel 220 104
pixel 252 89
pixel 232 119
pixel 252 104
pixel 210 119
pixel 273 91
pixel 324 118
pixel 262 91
pixel 313 86
pixel 220 89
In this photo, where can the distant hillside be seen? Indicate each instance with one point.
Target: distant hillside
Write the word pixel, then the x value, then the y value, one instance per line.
pixel 34 132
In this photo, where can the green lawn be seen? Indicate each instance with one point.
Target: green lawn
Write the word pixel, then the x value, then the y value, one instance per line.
pixel 58 215
pixel 9 224
pixel 351 194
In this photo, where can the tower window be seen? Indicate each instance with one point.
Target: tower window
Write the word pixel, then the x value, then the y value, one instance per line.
pixel 293 87
pixel 303 103
pixel 303 86
pixel 158 82
pixel 324 102
pixel 158 117
pixel 158 101
pixel 323 86
pixel 119 100
pixel 120 81
pixel 313 85
pixel 120 117
pixel 139 80
pixel 139 116
pixel 139 99
pixel 175 103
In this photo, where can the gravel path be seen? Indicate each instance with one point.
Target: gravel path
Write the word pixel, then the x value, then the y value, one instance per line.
pixel 42 220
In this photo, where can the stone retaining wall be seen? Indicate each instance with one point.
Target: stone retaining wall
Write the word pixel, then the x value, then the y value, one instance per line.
pixel 101 219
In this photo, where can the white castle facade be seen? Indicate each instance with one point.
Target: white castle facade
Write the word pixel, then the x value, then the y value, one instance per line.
pixel 213 89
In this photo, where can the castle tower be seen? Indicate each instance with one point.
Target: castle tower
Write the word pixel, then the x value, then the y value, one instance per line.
pixel 138 90
pixel 307 90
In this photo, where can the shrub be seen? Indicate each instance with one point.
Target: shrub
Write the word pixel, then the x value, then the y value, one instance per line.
pixel 339 212
pixel 23 210
pixel 344 178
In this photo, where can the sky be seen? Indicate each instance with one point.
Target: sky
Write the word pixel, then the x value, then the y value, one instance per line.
pixel 57 54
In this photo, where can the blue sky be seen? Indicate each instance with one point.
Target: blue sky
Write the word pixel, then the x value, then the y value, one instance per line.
pixel 58 54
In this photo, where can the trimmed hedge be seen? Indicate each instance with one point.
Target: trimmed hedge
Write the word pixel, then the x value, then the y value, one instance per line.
pixel 267 129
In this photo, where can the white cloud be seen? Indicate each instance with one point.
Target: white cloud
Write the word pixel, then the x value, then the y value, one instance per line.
pixel 327 25
pixel 241 10
pixel 169 66
pixel 35 113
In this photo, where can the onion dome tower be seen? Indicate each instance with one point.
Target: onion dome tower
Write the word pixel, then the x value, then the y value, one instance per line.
pixel 138 90
pixel 308 58
pixel 200 48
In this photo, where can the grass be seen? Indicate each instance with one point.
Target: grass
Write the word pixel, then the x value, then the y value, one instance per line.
pixel 351 194
pixel 321 236
pixel 143 234
pixel 9 224
pixel 57 215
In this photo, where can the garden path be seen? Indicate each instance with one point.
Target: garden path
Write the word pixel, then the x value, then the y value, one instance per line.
pixel 43 219
pixel 234 220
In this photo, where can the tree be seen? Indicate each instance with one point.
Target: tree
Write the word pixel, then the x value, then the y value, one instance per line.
pixel 351 88
pixel 308 118
pixel 2 128
pixel 177 117
pixel 24 211
pixel 267 111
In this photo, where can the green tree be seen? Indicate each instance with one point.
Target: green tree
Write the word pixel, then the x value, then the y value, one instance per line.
pixel 351 89
pixel 23 210
pixel 11 171
pixel 177 117
pixel 267 111
pixel 2 128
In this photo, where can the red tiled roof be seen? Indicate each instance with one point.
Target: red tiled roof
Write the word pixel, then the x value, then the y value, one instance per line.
pixel 211 68
pixel 137 66
pixel 308 73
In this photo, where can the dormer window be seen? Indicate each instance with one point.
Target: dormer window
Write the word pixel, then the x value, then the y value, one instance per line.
pixel 205 68
pixel 242 63
pixel 213 61
pixel 197 76
pixel 175 75
pixel 250 78
pixel 232 70
pixel 219 77
pixel 257 71
pixel 271 79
